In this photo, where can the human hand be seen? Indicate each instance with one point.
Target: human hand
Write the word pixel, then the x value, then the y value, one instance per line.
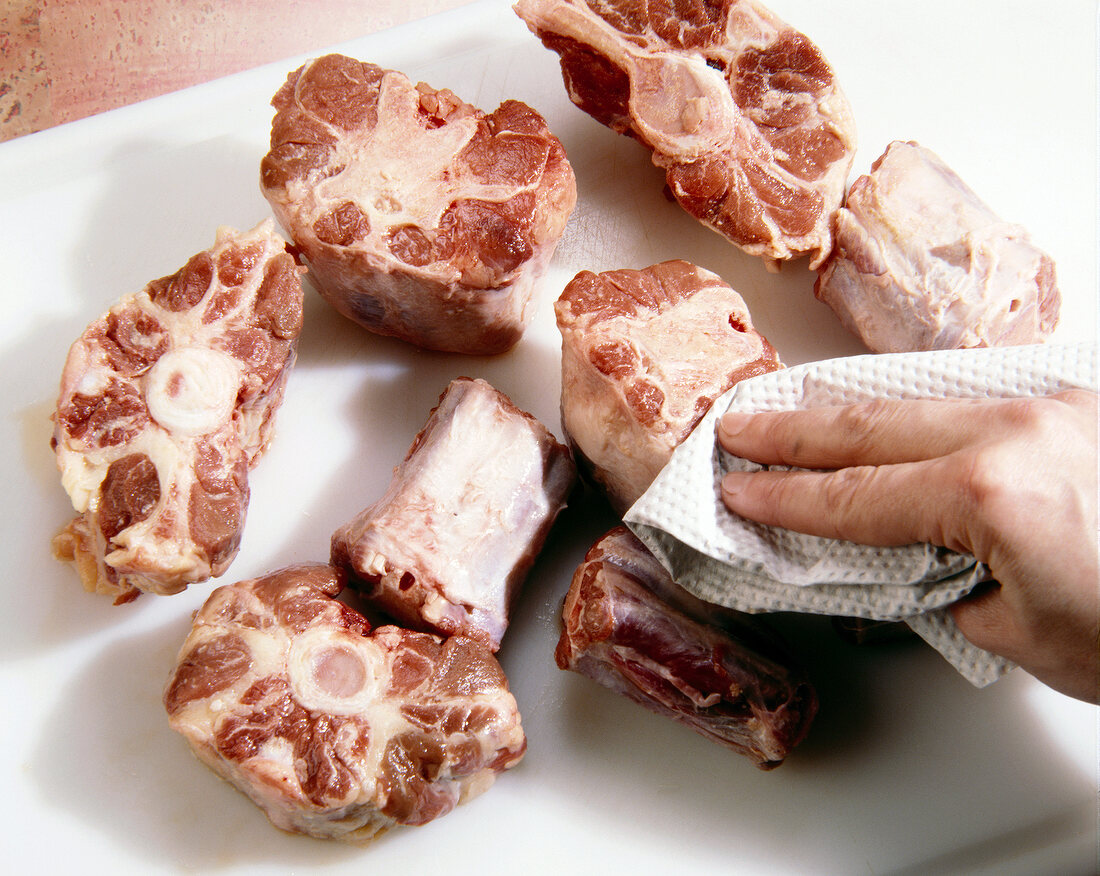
pixel 1011 481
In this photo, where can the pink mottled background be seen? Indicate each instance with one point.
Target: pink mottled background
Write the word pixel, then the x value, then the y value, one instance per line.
pixel 62 60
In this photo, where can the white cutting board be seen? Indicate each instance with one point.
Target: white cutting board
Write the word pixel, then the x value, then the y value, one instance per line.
pixel 907 770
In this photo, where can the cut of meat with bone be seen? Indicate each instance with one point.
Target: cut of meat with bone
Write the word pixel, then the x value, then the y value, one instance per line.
pixel 644 354
pixel 419 215
pixel 741 111
pixel 448 545
pixel 735 684
pixel 334 729
pixel 165 403
pixel 921 263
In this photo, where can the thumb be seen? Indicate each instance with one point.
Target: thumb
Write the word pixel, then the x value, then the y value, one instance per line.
pixel 985 619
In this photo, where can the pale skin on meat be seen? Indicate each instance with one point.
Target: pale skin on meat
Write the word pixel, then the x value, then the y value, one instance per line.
pixel 1013 482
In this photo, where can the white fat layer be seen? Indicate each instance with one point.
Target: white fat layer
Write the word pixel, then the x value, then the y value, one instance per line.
pixel 937 268
pixel 399 173
pixel 690 351
pixel 598 421
pixel 81 475
pixel 193 390
pixel 478 478
pixel 477 784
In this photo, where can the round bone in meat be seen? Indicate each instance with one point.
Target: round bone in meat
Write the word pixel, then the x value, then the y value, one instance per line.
pixel 193 390
pixel 165 402
pixel 334 729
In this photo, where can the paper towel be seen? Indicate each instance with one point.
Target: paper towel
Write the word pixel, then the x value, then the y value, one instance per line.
pixel 727 560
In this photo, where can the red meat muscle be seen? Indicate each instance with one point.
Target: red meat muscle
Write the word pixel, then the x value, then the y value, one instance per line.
pixel 628 627
pixel 419 215
pixel 742 111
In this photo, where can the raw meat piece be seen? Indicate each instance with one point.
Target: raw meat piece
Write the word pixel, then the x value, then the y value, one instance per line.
pixel 644 354
pixel 419 215
pixel 165 403
pixel 724 674
pixel 333 729
pixel 922 264
pixel 742 111
pixel 447 546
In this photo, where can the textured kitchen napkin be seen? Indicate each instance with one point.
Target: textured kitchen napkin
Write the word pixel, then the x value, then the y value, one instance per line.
pixel 727 560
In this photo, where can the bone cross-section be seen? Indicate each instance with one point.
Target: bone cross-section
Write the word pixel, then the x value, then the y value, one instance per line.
pixel 419 215
pixel 335 729
pixel 922 263
pixel 741 110
pixel 165 403
pixel 725 675
pixel 447 546
pixel 644 354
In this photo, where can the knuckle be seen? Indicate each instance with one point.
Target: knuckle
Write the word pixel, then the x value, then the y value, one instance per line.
pixel 784 437
pixel 1078 398
pixel 986 482
pixel 843 499
pixel 862 422
pixel 1019 412
pixel 773 495
pixel 1039 419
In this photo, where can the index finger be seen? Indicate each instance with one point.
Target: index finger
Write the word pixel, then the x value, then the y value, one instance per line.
pixel 878 432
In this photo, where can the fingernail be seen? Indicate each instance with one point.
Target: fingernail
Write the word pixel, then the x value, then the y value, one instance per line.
pixel 733 484
pixel 732 424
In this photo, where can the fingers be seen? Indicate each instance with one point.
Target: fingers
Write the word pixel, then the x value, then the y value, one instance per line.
pixel 871 433
pixel 950 473
pixel 888 505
